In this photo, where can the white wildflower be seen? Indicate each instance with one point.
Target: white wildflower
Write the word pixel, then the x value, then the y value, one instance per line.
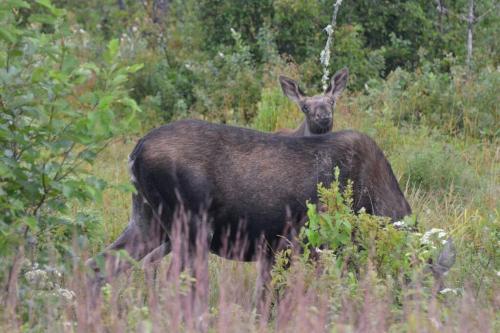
pixel 426 238
pixel 66 294
pixel 36 277
pixel 134 28
pixel 399 224
pixel 498 273
pixel 54 272
pixel 221 54
pixel 449 291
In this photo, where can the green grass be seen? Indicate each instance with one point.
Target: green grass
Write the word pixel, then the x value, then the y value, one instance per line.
pixel 451 184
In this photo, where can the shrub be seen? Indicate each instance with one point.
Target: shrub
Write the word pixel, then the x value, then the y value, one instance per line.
pixel 169 85
pixel 349 51
pixel 300 25
pixel 357 238
pixel 57 114
pixel 228 86
pixel 350 247
pixel 440 100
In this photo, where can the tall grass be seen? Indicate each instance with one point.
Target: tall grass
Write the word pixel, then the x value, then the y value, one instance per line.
pixel 456 190
pixel 316 296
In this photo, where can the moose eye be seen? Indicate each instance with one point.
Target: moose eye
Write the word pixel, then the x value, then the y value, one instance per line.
pixel 305 108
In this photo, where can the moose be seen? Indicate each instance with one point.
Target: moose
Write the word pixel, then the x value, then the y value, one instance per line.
pixel 241 183
pixel 318 110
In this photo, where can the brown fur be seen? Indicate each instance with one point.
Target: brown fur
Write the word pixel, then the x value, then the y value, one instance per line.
pixel 318 110
pixel 251 184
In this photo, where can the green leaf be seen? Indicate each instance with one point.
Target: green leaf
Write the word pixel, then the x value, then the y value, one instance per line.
pixel 112 51
pixel 135 68
pixel 17 4
pixel 53 9
pixel 8 35
pixel 105 102
pixel 131 103
pixel 42 18
pixel 31 222
pixel 38 74
pixel 118 80
pixel 45 3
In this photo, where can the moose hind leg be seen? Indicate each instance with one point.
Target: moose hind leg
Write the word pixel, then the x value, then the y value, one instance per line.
pixel 151 262
pixel 143 234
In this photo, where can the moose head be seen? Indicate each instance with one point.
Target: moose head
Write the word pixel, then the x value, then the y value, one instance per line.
pixel 318 109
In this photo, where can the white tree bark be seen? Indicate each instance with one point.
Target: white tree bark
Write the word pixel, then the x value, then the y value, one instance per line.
pixel 325 54
pixel 470 26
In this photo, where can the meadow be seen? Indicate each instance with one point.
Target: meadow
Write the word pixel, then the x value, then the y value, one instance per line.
pixel 77 91
pixel 458 195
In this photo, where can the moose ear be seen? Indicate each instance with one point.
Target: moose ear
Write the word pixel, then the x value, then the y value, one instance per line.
pixel 291 89
pixel 337 83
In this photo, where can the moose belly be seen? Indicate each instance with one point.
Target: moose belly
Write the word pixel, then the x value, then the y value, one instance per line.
pixel 239 232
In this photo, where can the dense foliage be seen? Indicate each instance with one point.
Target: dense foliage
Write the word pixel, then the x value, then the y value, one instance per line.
pixel 202 63
pixel 58 111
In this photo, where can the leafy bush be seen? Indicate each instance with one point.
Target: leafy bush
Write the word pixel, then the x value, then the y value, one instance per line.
pixel 300 27
pixel 57 114
pixel 349 51
pixel 167 88
pixel 350 247
pixel 246 17
pixel 440 100
pixel 228 88
pixel 357 238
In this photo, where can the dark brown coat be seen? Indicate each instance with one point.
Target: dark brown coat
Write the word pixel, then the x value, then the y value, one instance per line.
pixel 247 181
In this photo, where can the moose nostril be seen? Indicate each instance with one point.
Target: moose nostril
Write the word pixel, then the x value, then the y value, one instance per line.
pixel 324 121
pixel 326 116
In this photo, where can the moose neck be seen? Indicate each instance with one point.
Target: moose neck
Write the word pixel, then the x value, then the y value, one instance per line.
pixel 303 129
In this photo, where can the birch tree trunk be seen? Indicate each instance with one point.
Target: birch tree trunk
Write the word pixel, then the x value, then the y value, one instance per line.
pixel 325 54
pixel 470 26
